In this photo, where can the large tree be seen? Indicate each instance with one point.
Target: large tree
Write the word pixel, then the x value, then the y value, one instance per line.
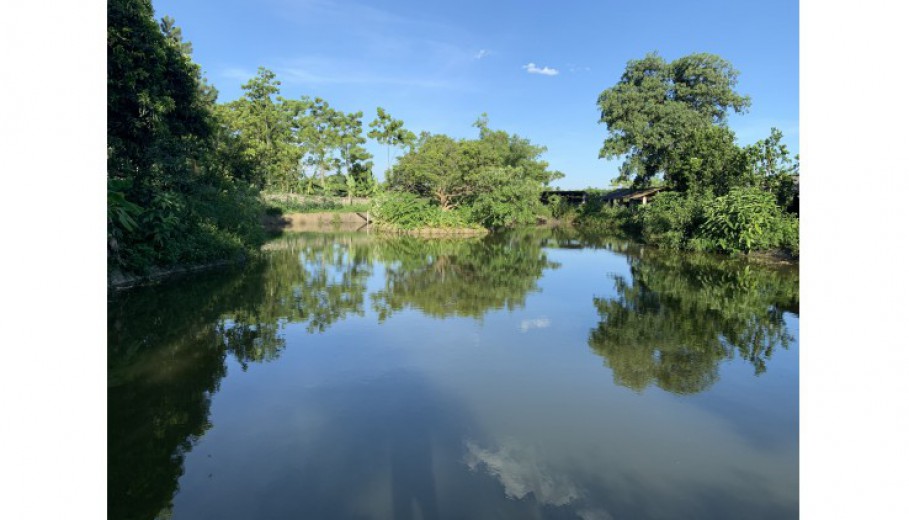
pixel 178 190
pixel 262 121
pixel 656 107
pixel 317 127
pixel 455 172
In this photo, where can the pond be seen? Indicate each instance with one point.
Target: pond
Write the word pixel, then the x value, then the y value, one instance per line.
pixel 530 374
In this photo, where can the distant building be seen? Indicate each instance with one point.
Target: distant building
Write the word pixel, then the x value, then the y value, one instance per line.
pixel 621 196
pixel 629 196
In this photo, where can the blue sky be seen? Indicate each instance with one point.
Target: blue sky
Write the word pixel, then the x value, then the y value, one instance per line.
pixel 535 67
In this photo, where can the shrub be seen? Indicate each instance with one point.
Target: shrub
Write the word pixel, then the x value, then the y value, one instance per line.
pixel 789 233
pixel 406 210
pixel 506 203
pixel 560 209
pixel 607 220
pixel 671 220
pixel 745 219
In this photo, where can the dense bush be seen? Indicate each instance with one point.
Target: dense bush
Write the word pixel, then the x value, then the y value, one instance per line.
pixel 745 219
pixel 506 201
pixel 671 220
pixel 179 190
pixel 611 220
pixel 404 210
pixel 561 209
pixel 789 233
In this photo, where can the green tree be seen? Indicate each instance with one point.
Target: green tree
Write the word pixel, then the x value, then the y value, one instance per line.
pixel 772 168
pixel 175 193
pixel 656 105
pixel 435 168
pixel 506 170
pixel 263 122
pixel 175 34
pixel 390 132
pixel 706 162
pixel 318 131
pixel 355 163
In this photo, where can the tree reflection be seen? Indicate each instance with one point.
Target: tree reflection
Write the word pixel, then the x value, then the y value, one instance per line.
pixel 459 277
pixel 681 315
pixel 165 361
pixel 671 325
pixel 315 280
pixel 167 345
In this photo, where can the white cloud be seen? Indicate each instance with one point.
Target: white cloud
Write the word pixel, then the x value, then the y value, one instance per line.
pixel 521 473
pixel 576 68
pixel 537 323
pixel 533 69
pixel 482 54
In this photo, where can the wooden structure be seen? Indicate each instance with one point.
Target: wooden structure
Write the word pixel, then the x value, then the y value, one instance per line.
pixel 575 197
pixel 623 196
pixel 629 196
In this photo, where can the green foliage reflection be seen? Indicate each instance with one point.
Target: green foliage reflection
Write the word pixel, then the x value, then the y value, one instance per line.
pixel 166 358
pixel 459 277
pixel 680 316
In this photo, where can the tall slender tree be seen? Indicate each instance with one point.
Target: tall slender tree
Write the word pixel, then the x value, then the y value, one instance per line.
pixel 354 159
pixel 261 120
pixel 390 132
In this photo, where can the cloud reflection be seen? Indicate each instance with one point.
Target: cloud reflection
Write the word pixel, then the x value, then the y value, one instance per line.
pixel 522 472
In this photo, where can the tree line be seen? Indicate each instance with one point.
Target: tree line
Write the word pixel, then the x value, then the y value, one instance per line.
pixel 185 173
pixel 668 121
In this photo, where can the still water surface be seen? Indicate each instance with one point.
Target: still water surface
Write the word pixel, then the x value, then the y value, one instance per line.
pixel 534 374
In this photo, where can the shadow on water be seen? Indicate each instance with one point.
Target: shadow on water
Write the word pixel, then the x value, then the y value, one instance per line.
pixel 165 361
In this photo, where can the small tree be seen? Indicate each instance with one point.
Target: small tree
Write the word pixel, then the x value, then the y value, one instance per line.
pixel 390 132
pixel 771 168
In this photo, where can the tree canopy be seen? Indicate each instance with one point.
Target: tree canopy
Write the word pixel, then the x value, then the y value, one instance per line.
pixel 390 132
pixel 498 177
pixel 657 105
pixel 179 189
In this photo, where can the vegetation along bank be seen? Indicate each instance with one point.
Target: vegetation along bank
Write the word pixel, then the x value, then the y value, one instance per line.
pixel 191 180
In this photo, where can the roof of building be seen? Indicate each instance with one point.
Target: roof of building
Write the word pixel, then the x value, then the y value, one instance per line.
pixel 631 193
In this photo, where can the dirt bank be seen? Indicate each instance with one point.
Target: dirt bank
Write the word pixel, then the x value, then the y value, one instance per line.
pixel 325 221
pixel 433 232
pixel 117 280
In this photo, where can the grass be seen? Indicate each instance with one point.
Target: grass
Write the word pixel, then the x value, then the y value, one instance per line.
pixel 281 203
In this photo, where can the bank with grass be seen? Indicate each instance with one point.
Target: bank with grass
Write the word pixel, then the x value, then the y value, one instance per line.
pixel 191 181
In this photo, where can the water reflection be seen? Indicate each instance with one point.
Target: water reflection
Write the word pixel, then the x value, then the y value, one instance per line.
pixel 680 316
pixel 467 278
pixel 391 443
pixel 168 345
pixel 165 360
pixel 525 474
